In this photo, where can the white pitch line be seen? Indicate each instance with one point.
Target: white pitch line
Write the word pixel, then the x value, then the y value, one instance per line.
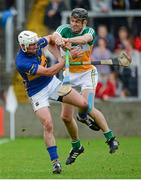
pixel 3 141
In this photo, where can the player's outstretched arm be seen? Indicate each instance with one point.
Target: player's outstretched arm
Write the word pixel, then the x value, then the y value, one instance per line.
pixel 58 39
pixel 79 39
pixel 52 47
pixel 51 70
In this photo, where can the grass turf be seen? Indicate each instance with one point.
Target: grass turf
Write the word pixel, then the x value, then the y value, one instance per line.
pixel 27 158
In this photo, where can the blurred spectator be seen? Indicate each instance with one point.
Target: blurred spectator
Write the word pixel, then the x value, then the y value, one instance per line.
pixel 136 22
pixel 80 4
pixel 102 32
pixel 135 4
pixel 119 21
pixel 129 76
pixel 6 4
pixel 120 4
pixel 123 34
pixel 9 3
pixel 100 5
pixel 106 87
pixel 104 7
pixel 53 16
pixel 137 41
pixel 100 53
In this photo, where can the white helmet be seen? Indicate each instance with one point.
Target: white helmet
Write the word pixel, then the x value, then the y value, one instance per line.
pixel 26 38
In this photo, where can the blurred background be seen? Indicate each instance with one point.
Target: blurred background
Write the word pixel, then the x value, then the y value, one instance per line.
pixel 118 27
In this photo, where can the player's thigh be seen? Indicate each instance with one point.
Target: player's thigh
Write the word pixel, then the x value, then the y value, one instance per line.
pixel 44 115
pixel 74 98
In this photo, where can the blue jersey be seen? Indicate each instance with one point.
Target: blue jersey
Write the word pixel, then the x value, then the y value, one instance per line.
pixel 27 66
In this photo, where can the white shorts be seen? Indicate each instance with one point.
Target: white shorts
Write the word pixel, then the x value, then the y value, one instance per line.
pixel 41 99
pixel 84 80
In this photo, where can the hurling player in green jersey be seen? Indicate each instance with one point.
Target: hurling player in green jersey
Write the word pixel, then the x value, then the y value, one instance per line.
pixel 79 38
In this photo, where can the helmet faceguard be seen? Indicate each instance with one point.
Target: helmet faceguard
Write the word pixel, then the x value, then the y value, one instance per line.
pixel 80 13
pixel 26 38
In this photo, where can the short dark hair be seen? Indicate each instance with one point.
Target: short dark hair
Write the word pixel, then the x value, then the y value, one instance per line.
pixel 80 13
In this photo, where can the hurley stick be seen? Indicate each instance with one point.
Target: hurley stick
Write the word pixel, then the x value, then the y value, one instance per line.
pixel 66 86
pixel 121 60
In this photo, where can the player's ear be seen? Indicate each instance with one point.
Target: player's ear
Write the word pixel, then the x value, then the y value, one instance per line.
pixel 85 22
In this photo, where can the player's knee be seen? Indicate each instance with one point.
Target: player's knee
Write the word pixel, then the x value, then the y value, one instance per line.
pixel 85 104
pixel 48 126
pixel 66 118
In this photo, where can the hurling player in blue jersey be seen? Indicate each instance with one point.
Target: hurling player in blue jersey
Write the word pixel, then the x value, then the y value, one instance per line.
pixel 41 85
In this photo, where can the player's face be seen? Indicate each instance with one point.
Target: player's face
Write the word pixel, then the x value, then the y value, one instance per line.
pixel 32 48
pixel 76 25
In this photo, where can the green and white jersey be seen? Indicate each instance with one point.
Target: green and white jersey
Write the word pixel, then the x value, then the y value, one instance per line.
pixel 66 32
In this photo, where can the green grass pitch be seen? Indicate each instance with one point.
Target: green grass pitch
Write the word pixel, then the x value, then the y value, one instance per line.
pixel 26 158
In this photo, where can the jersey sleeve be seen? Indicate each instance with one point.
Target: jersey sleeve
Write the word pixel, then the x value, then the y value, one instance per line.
pixel 28 67
pixel 42 42
pixel 62 29
pixel 91 31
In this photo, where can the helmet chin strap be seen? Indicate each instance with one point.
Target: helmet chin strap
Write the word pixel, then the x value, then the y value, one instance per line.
pixel 24 49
